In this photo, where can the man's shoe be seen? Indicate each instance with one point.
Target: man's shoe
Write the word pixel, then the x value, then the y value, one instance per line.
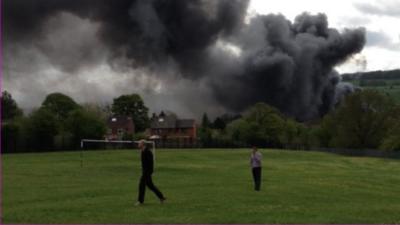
pixel 162 200
pixel 138 204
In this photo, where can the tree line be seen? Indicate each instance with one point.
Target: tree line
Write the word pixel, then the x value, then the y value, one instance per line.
pixel 366 119
pixel 60 123
pixel 373 75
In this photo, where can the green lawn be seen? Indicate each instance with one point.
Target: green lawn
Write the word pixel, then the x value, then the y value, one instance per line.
pixel 393 92
pixel 392 88
pixel 202 186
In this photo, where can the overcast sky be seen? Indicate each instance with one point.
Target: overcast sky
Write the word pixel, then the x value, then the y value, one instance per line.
pixel 31 71
pixel 381 18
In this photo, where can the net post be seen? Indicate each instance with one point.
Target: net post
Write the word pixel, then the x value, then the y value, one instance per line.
pixel 154 150
pixel 81 154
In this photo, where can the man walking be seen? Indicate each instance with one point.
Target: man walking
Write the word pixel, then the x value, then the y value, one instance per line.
pixel 255 162
pixel 147 171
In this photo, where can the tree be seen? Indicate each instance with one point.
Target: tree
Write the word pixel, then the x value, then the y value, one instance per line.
pixel 10 133
pixel 60 105
pixel 304 138
pixel 288 137
pixel 205 122
pixel 361 121
pixel 219 124
pixel 9 108
pixel 391 142
pixel 261 125
pixel 260 113
pixel 84 124
pixel 240 132
pixel 100 111
pixel 42 127
pixel 205 135
pixel 132 105
pixel 267 122
pixel 205 132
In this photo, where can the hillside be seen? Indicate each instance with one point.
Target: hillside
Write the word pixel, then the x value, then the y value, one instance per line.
pixel 387 82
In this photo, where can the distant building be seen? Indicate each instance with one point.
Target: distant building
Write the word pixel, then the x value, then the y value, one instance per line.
pixel 119 126
pixel 168 127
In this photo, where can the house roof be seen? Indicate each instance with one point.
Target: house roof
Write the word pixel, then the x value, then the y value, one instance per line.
pixel 170 122
pixel 187 123
pixel 119 121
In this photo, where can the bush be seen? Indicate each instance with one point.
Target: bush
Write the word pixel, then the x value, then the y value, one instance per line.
pixel 41 128
pixel 361 122
pixel 392 140
pixel 10 133
pixel 137 136
pixel 84 125
pixel 261 125
pixel 64 141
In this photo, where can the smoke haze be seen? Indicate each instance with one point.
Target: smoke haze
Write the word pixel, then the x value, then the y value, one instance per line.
pixel 186 56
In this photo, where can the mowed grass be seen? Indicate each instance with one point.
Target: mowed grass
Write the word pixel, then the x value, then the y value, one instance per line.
pixel 391 89
pixel 393 92
pixel 202 186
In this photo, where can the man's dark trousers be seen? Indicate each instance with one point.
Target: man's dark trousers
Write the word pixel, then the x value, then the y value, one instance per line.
pixel 146 180
pixel 257 178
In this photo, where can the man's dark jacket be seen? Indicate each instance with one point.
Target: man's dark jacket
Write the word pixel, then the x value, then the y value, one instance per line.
pixel 147 161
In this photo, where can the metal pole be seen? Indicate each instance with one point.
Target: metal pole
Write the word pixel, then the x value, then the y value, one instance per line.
pixel 154 150
pixel 81 153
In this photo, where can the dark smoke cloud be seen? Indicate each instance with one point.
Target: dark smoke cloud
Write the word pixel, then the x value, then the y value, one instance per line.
pixel 206 42
pixel 144 31
pixel 290 66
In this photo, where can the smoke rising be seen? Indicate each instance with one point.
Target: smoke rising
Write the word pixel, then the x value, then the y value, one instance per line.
pixel 289 65
pixel 232 63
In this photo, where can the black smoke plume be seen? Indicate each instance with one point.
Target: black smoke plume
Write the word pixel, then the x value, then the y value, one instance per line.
pixel 288 65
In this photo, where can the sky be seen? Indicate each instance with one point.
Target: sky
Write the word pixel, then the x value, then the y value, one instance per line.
pixel 381 18
pixel 35 68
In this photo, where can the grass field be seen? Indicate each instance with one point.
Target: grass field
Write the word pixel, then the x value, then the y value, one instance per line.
pixel 392 91
pixel 202 186
pixel 392 88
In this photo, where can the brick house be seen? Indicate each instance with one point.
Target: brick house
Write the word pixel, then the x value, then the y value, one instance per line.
pixel 119 126
pixel 167 127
